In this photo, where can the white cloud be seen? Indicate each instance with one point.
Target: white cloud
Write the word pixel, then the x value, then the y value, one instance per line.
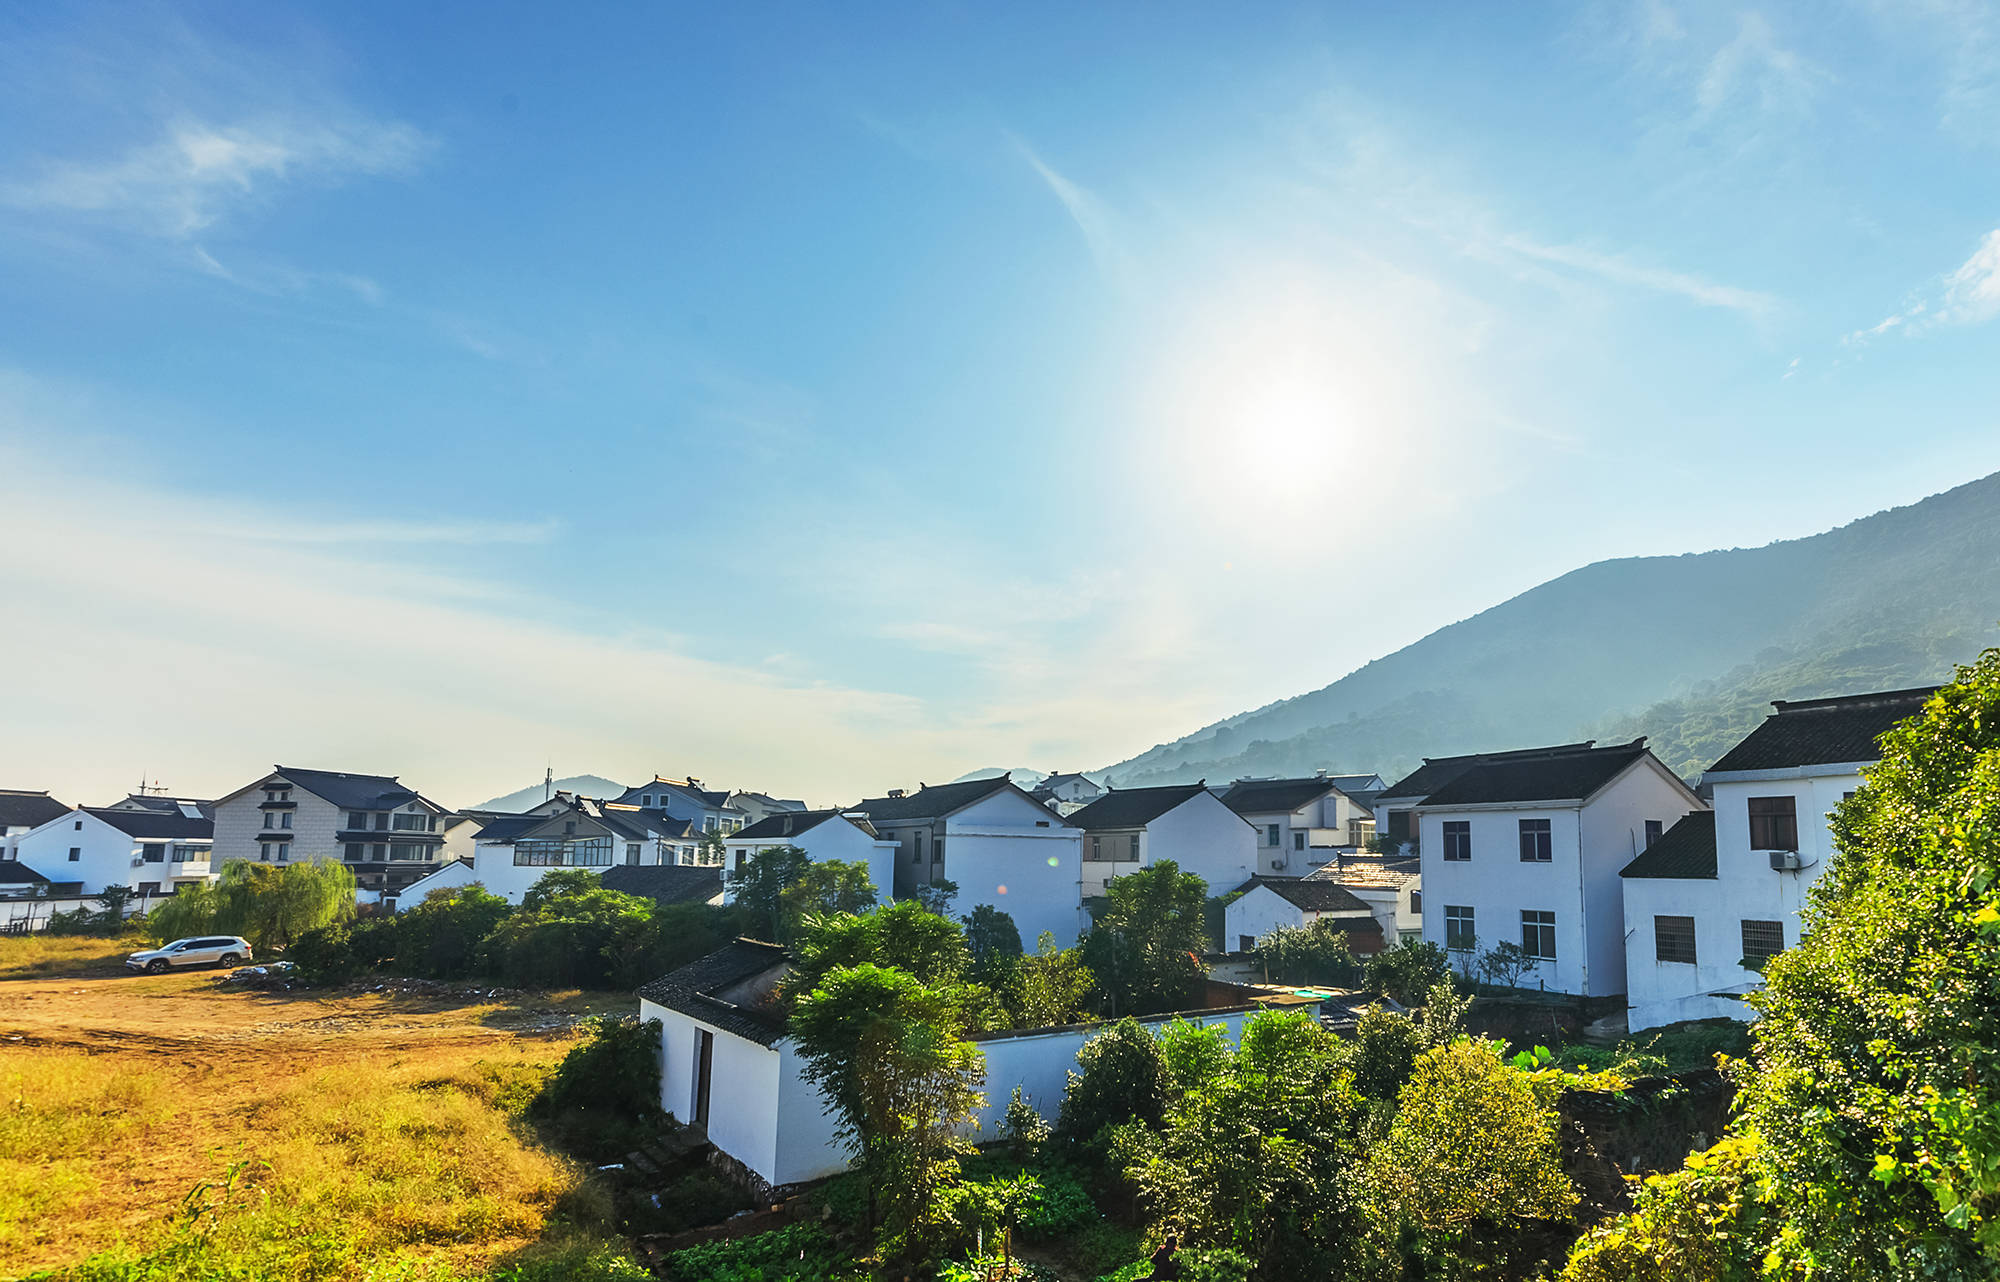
pixel 1753 69
pixel 1090 214
pixel 195 173
pixel 1969 295
pixel 1623 270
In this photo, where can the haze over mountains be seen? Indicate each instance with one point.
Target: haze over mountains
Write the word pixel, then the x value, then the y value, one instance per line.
pixel 532 795
pixel 1687 650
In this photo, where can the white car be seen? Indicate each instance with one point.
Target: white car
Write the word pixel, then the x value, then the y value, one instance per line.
pixel 204 950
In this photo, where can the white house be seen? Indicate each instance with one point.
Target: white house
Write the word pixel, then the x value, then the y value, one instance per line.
pixel 151 852
pixel 21 812
pixel 1724 888
pixel 727 1065
pixel 1391 886
pixel 1132 828
pixel 823 835
pixel 387 833
pixel 1528 848
pixel 1065 792
pixel 1269 903
pixel 1300 823
pixel 998 844
pixel 1395 805
pixel 709 809
pixel 513 852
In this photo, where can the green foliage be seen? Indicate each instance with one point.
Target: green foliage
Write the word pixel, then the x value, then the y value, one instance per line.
pixel 1051 987
pixel 1254 1158
pixel 108 918
pixel 1315 954
pixel 272 904
pixel 757 889
pixel 829 886
pixel 325 956
pixel 995 944
pixel 1124 1079
pixel 564 933
pixel 1023 1128
pixel 1697 1224
pixel 695 1200
pixel 936 897
pixel 904 935
pixel 796 1253
pixel 191 910
pixel 1471 1160
pixel 606 1091
pixel 440 937
pixel 1386 1046
pixel 1144 948
pixel 644 948
pixel 884 1048
pixel 1215 919
pixel 1405 973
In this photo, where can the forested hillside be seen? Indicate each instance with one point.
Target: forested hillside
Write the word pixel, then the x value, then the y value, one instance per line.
pixel 1688 650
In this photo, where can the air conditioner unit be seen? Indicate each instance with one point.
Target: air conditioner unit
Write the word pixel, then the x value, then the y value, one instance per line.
pixel 1786 861
pixel 138 861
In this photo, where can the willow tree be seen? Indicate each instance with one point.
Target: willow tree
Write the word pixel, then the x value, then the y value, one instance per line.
pixel 272 904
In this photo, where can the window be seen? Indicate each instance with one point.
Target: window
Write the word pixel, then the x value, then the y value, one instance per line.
pixel 190 854
pixel 1459 935
pixel 1536 842
pixel 284 849
pixel 1458 840
pixel 709 823
pixel 1673 939
pixel 1538 934
pixel 631 852
pixel 78 825
pixel 285 820
pixel 355 819
pixel 937 850
pixel 920 847
pixel 149 887
pixel 1762 939
pixel 264 851
pixel 379 851
pixel 417 850
pixel 1417 902
pixel 352 853
pixel 270 819
pixel 1298 841
pixel 154 852
pixel 1774 823
pixel 381 820
pixel 1246 943
pixel 646 800
pixel 1097 848
pixel 591 852
pixel 1653 830
pixel 1271 835
pixel 75 853
pixel 413 823
pixel 1132 847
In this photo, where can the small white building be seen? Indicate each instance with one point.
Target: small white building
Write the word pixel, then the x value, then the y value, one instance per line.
pixel 996 843
pixel 1065 793
pixel 1725 888
pixel 708 809
pixel 21 812
pixel 1272 903
pixel 1391 886
pixel 1528 849
pixel 150 852
pixel 1301 824
pixel 823 835
pixel 727 1065
pixel 1132 828
pixel 513 852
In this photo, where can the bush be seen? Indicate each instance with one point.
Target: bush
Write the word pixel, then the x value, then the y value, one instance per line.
pixel 1386 1047
pixel 324 957
pixel 1124 1079
pixel 1697 1224
pixel 1407 972
pixel 605 1095
pixel 797 1253
pixel 1317 954
pixel 695 1200
pixel 440 937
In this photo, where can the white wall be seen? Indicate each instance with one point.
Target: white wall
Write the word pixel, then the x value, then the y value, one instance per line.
pixel 999 852
pixel 1205 838
pixel 1499 887
pixel 105 855
pixel 1614 833
pixel 1258 912
pixel 493 867
pixel 835 839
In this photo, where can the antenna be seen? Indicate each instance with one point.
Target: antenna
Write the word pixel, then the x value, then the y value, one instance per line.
pixel 548 781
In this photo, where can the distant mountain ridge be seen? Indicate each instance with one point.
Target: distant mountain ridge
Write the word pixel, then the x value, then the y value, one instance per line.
pixel 1687 650
pixel 581 785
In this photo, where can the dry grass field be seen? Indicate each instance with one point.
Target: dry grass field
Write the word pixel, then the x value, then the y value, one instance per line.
pixel 373 1133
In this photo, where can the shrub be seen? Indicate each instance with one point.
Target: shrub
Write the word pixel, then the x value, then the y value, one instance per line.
pixel 1407 972
pixel 606 1092
pixel 995 944
pixel 644 948
pixel 796 1253
pixel 325 956
pixel 440 937
pixel 1143 948
pixel 1023 1128
pixel 1386 1046
pixel 1697 1224
pixel 1124 1079
pixel 1317 954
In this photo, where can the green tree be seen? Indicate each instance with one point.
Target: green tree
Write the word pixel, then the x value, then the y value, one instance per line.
pixel 902 934
pixel 1315 954
pixel 995 944
pixel 1144 948
pixel 828 886
pixel 564 933
pixel 1472 1159
pixel 272 904
pixel 887 1052
pixel 1123 1078
pixel 1406 973
pixel 937 896
pixel 441 936
pixel 1051 987
pixel 644 948
pixel 757 888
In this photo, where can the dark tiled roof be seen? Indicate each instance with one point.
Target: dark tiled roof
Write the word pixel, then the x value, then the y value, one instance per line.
pixel 1436 772
pixel 1823 732
pixel 1685 851
pixel 932 801
pixel 1569 776
pixel 1349 783
pixel 15 873
pixel 1312 896
pixel 1051 781
pixel 1268 796
pixel 688 990
pixel 22 809
pixel 165 804
pixel 790 823
pixel 1134 807
pixel 350 792
pixel 508 827
pixel 665 883
pixel 155 824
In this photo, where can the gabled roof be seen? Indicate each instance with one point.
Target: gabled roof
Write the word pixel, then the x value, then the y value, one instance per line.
pixel 1050 781
pixel 15 873
pixel 1134 807
pixel 665 883
pixel 793 823
pixel 1566 776
pixel 1351 784
pixel 1312 896
pixel 934 801
pixel 1823 732
pixel 1268 796
pixel 690 990
pixel 1685 851
pixel 154 801
pixel 1436 772
pixel 349 791
pixel 504 828
pixel 20 808
pixel 154 825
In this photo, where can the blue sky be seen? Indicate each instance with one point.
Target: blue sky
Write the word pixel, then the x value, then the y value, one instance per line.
pixel 831 398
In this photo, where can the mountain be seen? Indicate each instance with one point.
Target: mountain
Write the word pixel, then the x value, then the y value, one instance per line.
pixel 582 785
pixel 1688 650
pixel 1023 776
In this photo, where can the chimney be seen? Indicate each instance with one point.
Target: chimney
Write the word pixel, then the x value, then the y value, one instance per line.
pixel 895 792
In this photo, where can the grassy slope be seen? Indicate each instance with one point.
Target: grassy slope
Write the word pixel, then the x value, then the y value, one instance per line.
pixel 377 1132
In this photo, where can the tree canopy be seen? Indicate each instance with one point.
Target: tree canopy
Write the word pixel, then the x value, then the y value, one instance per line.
pixel 1144 948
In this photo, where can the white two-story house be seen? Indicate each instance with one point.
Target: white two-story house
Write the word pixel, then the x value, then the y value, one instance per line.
pixel 1300 823
pixel 709 809
pixel 823 835
pixel 1721 892
pixel 21 812
pixel 513 852
pixel 1395 805
pixel 1528 849
pixel 1132 828
pixel 149 851
pixel 1066 792
pixel 387 833
pixel 996 843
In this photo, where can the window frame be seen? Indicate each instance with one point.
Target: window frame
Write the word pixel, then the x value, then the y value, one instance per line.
pixel 1671 953
pixel 1538 928
pixel 1780 818
pixel 1461 928
pixel 1541 849
pixel 1761 954
pixel 1462 830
